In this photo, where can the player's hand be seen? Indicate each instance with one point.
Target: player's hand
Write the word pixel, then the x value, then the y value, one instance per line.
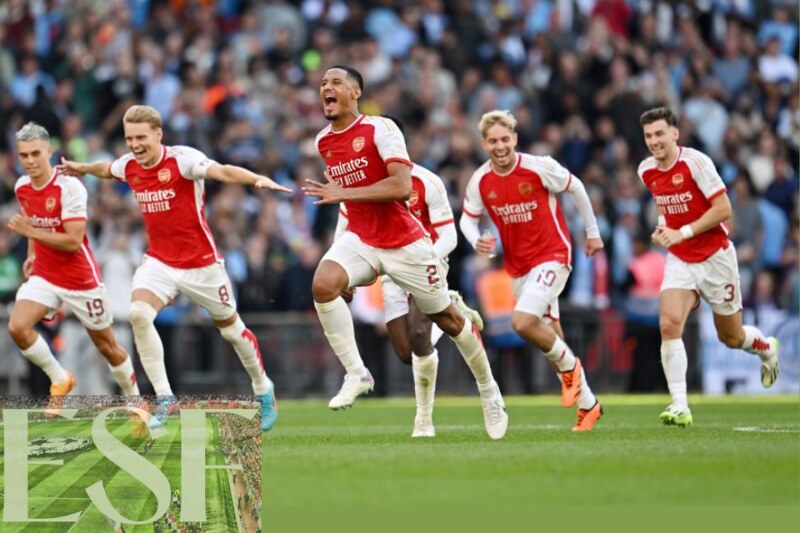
pixel 593 246
pixel 348 294
pixel 265 183
pixel 27 266
pixel 329 192
pixel 667 237
pixel 71 168
pixel 485 246
pixel 21 225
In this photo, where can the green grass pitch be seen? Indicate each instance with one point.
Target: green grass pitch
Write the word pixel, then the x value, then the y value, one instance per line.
pixel 61 490
pixel 741 451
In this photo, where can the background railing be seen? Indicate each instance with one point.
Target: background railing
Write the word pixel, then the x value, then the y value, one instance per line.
pixel 299 359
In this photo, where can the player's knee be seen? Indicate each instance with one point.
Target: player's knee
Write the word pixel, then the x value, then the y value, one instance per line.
pixel 107 347
pixel 449 320
pixel 141 315
pixel 671 327
pixel 524 322
pixel 21 333
pixel 731 339
pixel 326 287
pixel 420 339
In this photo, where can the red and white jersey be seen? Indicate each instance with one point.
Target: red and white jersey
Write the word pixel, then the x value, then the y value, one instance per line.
pixel 429 202
pixel 524 207
pixel 61 199
pixel 358 157
pixel 171 196
pixel 683 193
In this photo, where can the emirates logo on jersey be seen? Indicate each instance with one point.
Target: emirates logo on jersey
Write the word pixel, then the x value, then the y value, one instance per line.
pixel 677 180
pixel 164 175
pixel 412 201
pixel 358 144
pixel 50 204
pixel 525 189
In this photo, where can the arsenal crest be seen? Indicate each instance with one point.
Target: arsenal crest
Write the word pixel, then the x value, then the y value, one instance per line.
pixel 525 189
pixel 50 204
pixel 412 201
pixel 164 175
pixel 358 144
pixel 677 180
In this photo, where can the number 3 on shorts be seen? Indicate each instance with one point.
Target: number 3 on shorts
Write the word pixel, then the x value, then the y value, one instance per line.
pixel 433 274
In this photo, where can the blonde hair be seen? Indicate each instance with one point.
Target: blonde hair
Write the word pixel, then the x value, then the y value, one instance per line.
pixel 504 118
pixel 138 114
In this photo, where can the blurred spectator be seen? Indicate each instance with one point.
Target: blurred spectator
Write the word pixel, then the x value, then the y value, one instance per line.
pixel 239 80
pixel 642 333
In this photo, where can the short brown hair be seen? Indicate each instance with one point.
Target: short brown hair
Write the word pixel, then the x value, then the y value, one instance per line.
pixel 504 118
pixel 138 114
pixel 659 113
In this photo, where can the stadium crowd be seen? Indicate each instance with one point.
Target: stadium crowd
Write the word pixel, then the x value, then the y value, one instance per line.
pixel 239 80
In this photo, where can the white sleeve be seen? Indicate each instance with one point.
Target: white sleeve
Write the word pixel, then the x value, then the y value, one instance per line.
pixel 390 142
pixel 73 200
pixel 469 228
pixel 555 177
pixel 704 173
pixel 447 241
pixel 438 204
pixel 117 168
pixel 341 223
pixel 192 163
pixel 473 202
pixel 584 205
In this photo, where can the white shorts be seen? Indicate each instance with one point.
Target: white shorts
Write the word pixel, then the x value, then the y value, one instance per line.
pixel 209 286
pixel 537 291
pixel 395 299
pixel 89 306
pixel 716 279
pixel 414 268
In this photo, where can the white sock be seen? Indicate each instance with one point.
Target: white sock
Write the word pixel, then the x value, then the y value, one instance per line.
pixel 436 334
pixel 424 369
pixel 470 345
pixel 40 355
pixel 149 346
pixel 755 342
pixel 674 361
pixel 586 400
pixel 125 377
pixel 245 345
pixel 561 356
pixel 338 326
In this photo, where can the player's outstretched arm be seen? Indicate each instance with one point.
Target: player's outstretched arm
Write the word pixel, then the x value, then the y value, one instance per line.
pixel 101 169
pixel 237 174
pixel 397 186
pixel 69 241
pixel 593 241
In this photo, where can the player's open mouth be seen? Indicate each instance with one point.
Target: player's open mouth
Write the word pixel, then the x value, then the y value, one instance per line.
pixel 330 102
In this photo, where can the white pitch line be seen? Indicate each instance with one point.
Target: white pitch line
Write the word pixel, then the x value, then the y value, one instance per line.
pixel 762 429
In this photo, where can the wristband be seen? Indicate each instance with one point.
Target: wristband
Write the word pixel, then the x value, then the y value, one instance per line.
pixel 686 231
pixel 662 220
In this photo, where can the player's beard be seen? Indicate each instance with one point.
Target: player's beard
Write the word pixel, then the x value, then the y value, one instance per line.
pixel 331 117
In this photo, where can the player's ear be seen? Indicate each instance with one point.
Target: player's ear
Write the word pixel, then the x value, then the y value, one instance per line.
pixel 159 134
